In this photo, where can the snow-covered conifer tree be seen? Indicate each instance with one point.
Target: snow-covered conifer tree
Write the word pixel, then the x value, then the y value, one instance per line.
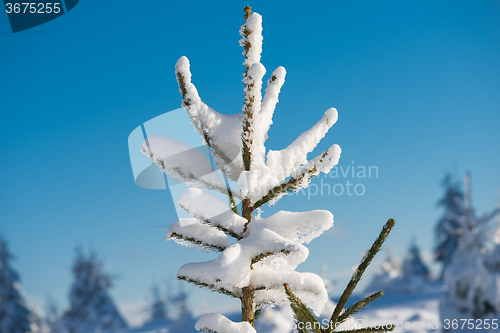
pixel 413 265
pixel 157 310
pixel 388 276
pixel 493 261
pixel 179 300
pixel 446 237
pixel 258 256
pixel 415 272
pixel 14 314
pixel 53 318
pixel 409 276
pixel 91 307
pixel 473 288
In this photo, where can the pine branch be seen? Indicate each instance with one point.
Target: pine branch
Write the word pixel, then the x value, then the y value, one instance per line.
pixel 208 286
pixel 213 225
pixel 305 173
pixel 388 328
pixel 257 313
pixel 261 256
pixel 301 312
pixel 356 277
pixel 232 202
pixel 354 308
pixel 186 104
pixel 248 106
pixel 198 242
pixel 287 186
pixel 190 178
pixel 224 230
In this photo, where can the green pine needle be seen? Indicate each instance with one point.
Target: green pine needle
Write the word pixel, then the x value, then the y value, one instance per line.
pixel 358 306
pixel 302 314
pixel 195 241
pixel 356 277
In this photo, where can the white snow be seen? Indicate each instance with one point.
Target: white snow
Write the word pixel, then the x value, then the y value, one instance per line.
pixel 301 227
pixel 285 161
pixel 254 25
pixel 207 207
pixel 233 269
pixel 183 162
pixel 218 323
pixel 191 228
pixel 223 130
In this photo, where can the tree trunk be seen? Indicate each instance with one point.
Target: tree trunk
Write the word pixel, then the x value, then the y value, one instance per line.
pixel 247 309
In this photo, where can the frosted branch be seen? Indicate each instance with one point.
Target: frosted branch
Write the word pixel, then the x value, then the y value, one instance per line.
pixel 191 233
pixel 302 177
pixel 285 161
pixel 218 131
pixel 207 207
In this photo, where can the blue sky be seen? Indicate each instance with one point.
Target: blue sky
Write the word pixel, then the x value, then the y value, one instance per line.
pixel 416 85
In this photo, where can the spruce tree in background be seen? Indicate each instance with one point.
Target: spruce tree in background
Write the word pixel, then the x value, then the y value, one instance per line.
pixel 409 276
pixel 53 318
pixel 413 265
pixel 472 286
pixel 157 310
pixel 179 300
pixel 446 237
pixel 415 273
pixel 91 307
pixel 390 272
pixel 14 314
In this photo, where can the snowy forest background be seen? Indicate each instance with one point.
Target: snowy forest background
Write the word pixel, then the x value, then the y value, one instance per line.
pixel 416 88
pixel 466 286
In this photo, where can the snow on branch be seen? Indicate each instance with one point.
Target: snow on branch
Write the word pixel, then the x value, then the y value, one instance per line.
pixel 269 102
pixel 237 267
pixel 183 162
pixel 212 287
pixel 214 322
pixel 251 32
pixel 301 227
pixel 300 310
pixel 219 131
pixel 190 232
pixel 285 161
pixel 300 178
pixel 308 286
pixel 207 207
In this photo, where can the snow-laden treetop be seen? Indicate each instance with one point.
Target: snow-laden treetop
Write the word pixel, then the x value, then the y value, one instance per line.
pixel 258 256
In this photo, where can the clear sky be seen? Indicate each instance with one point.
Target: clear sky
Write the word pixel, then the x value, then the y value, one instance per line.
pixel 416 84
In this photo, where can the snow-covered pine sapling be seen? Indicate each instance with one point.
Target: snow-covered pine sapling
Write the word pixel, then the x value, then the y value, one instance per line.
pixel 258 256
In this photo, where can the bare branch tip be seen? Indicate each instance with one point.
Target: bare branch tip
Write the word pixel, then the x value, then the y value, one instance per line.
pixel 248 11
